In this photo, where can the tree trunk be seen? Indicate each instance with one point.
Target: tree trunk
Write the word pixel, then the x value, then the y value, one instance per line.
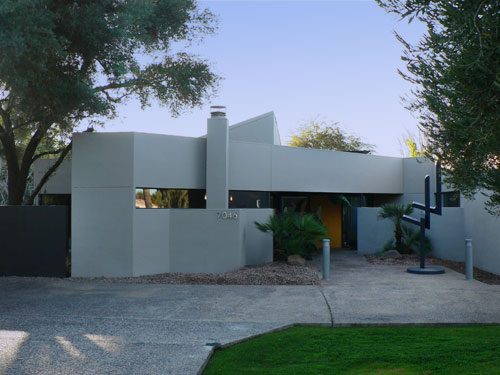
pixel 147 198
pixel 397 235
pixel 16 181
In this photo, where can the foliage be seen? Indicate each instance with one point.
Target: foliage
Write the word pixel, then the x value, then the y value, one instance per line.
pixel 293 233
pixel 410 242
pixel 389 245
pixel 364 350
pixel 63 63
pixel 319 134
pixel 395 212
pixel 456 74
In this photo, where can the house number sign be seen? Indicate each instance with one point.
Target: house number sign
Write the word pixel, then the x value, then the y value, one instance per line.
pixel 227 215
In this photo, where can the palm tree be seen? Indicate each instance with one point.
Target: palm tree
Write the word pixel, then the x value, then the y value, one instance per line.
pixel 395 212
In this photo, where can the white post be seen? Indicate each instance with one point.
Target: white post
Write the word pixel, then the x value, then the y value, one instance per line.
pixel 469 264
pixel 326 259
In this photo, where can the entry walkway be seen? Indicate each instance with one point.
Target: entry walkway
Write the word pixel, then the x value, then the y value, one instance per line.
pixel 60 326
pixel 360 292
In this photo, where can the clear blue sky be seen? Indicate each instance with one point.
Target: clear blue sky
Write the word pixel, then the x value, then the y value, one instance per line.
pixel 334 59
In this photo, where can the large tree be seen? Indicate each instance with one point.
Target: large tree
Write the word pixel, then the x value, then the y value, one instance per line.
pixel 323 135
pixel 455 68
pixel 66 61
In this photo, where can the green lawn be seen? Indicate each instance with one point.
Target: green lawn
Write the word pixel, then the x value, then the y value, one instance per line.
pixel 378 350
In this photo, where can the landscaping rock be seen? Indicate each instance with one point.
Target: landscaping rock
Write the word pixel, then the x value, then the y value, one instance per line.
pixel 391 254
pixel 296 260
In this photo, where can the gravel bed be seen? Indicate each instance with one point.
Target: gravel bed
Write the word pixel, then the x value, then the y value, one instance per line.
pixel 276 273
pixel 414 260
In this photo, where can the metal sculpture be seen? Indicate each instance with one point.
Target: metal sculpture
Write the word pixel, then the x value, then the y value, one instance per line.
pixel 425 222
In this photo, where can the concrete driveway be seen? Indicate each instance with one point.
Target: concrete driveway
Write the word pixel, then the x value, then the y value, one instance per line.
pixel 67 327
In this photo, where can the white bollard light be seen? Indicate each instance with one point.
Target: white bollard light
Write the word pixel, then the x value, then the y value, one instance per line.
pixel 469 264
pixel 326 259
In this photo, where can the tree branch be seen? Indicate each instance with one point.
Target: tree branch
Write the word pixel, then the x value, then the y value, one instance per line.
pixel 49 173
pixel 52 169
pixel 131 83
pixel 38 156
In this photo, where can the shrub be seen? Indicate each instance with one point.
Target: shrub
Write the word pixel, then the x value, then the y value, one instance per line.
pixel 410 239
pixel 395 212
pixel 293 233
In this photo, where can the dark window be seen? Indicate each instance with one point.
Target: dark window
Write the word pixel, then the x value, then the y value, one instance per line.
pixel 249 199
pixel 54 199
pixel 169 198
pixel 451 199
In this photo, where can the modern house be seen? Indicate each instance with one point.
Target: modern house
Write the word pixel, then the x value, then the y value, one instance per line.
pixel 148 203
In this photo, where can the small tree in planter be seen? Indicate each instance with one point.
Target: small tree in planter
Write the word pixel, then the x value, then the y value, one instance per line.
pixel 293 233
pixel 395 212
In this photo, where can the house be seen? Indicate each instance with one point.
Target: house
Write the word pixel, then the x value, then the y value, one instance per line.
pixel 147 203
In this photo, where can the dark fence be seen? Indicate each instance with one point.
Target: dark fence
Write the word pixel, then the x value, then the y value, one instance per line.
pixel 34 240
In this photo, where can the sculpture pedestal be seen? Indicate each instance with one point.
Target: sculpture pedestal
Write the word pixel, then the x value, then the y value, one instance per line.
pixel 426 270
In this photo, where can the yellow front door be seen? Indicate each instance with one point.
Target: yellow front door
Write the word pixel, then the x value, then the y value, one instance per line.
pixel 331 215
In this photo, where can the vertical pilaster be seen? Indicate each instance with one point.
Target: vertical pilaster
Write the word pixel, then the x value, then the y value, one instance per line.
pixel 217 159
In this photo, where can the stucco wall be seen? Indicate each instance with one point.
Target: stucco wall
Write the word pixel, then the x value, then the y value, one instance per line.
pixel 201 242
pixel 260 129
pixel 102 228
pixel 102 205
pixel 372 232
pixel 167 161
pixel 447 232
pixel 59 182
pixel 254 166
pixel 151 254
pixel 258 246
pixel 484 230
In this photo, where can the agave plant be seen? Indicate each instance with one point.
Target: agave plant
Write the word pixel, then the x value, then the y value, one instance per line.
pixel 395 212
pixel 293 233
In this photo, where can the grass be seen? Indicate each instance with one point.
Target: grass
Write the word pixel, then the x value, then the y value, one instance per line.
pixel 374 350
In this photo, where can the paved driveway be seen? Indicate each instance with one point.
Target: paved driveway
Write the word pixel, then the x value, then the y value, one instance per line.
pixel 67 327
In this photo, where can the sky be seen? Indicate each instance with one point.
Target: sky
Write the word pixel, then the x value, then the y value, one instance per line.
pixel 334 60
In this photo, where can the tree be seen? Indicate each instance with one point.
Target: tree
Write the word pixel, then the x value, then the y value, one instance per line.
pixel 63 62
pixel 456 72
pixel 395 212
pixel 414 148
pixel 322 135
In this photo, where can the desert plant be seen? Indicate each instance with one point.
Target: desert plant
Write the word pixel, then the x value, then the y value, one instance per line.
pixel 395 212
pixel 293 233
pixel 410 240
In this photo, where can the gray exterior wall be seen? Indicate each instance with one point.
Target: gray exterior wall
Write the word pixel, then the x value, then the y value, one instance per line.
pixel 198 240
pixel 258 245
pixel 151 246
pixel 446 234
pixel 372 233
pixel 112 238
pixel 103 193
pixel 484 230
pixel 217 162
pixel 263 167
pixel 334 171
pixel 260 129
pixel 167 161
pixel 59 182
